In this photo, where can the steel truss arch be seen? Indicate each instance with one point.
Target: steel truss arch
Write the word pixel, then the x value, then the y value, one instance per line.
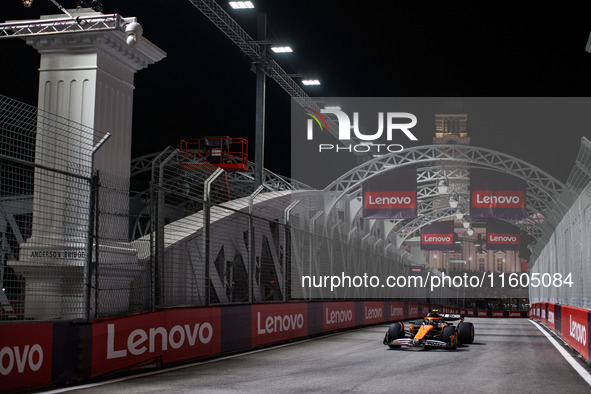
pixel 548 199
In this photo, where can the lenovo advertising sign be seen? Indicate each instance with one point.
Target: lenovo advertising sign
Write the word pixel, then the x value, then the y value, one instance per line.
pixel 391 195
pixel 397 310
pixel 501 236
pixel 277 323
pixel 174 335
pixel 496 195
pixel 25 355
pixel 550 319
pixel 413 310
pixel 438 236
pixel 575 329
pixel 338 315
pixel 373 312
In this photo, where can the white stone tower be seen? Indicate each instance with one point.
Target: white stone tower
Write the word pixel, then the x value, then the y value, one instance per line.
pixel 87 77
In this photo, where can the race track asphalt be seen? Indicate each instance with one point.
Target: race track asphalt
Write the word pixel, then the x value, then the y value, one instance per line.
pixel 508 355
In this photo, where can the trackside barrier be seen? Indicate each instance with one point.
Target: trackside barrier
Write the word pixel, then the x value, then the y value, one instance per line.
pixel 568 322
pixel 34 355
pixel 470 312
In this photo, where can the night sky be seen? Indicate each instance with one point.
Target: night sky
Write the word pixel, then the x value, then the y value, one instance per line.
pixel 357 49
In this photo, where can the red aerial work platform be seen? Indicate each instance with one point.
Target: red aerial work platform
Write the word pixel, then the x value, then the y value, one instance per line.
pixel 230 154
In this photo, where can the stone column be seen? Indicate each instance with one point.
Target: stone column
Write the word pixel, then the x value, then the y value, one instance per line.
pixel 85 77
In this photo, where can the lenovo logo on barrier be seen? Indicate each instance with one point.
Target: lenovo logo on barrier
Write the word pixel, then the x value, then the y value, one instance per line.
pixel 336 317
pixel 498 199
pixel 390 200
pixel 274 323
pixel 497 238
pixel 578 331
pixel 279 323
pixel 437 239
pixel 396 312
pixel 21 357
pixel 373 313
pixel 157 339
pixel 550 317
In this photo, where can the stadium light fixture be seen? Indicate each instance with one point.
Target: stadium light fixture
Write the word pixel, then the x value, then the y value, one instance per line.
pixel 282 49
pixel 311 82
pixel 240 5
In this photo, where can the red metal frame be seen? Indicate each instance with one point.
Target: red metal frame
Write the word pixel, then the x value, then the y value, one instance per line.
pixel 228 153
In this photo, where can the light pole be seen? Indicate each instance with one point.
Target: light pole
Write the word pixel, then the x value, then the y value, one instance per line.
pixel 261 87
pixel 261 67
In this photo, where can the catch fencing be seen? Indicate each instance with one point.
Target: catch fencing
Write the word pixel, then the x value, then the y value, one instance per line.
pixel 565 262
pixel 80 243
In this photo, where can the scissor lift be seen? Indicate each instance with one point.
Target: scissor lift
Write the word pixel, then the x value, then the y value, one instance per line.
pixel 230 154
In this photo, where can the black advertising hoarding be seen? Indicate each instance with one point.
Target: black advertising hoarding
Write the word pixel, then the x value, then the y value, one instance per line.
pixel 496 195
pixel 438 236
pixel 501 236
pixel 391 195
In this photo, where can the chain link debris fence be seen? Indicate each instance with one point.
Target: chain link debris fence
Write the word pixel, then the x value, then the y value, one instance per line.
pixel 565 262
pixel 79 243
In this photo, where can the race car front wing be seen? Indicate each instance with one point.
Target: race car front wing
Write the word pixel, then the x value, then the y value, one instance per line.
pixel 418 343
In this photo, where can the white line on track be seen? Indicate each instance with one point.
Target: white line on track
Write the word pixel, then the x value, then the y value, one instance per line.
pixel 571 360
pixel 164 370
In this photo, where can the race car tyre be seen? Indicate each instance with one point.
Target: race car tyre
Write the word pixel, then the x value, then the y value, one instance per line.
pixel 447 335
pixel 466 332
pixel 394 332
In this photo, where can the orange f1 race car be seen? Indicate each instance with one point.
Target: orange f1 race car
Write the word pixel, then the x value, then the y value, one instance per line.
pixel 433 331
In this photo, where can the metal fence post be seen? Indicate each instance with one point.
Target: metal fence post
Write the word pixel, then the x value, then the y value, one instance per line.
pixel 251 243
pixel 286 260
pixel 159 263
pixel 154 226
pixel 206 229
pixel 90 265
pixel 93 223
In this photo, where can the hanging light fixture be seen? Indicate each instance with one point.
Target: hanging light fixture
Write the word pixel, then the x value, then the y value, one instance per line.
pixel 443 185
pixel 454 199
pixel 466 223
pixel 27 3
pixel 459 213
pixel 470 231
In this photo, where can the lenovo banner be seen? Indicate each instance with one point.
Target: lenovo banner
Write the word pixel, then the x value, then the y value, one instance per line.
pixel 373 312
pixel 438 236
pixel 25 355
pixel 397 310
pixel 550 319
pixel 575 329
pixel 278 322
pixel 391 195
pixel 496 195
pixel 501 236
pixel 413 310
pixel 425 309
pixel 174 335
pixel 338 315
